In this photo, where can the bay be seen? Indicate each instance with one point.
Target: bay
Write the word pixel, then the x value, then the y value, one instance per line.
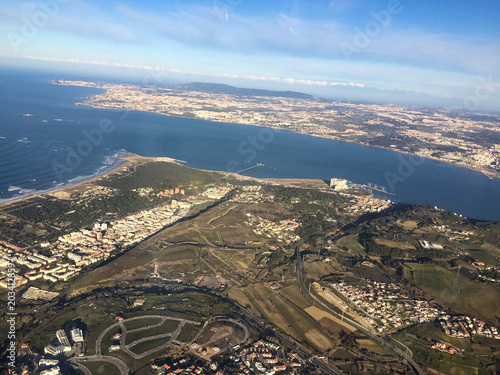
pixel 47 141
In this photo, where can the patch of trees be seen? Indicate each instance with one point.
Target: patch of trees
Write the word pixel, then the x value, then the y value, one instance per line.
pixel 160 176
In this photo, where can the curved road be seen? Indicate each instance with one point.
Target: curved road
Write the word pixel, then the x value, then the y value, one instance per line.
pixel 416 368
pixel 124 370
pixel 212 340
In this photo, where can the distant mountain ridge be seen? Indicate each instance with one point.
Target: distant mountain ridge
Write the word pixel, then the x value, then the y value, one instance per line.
pixel 231 90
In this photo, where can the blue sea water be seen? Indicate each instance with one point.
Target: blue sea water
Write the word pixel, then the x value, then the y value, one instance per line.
pixel 46 141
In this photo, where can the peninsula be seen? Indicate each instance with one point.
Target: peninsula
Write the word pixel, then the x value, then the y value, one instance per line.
pixel 468 139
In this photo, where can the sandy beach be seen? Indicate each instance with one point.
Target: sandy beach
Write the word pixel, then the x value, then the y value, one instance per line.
pixel 129 163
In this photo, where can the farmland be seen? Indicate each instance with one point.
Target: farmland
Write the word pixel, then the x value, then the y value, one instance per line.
pixel 474 298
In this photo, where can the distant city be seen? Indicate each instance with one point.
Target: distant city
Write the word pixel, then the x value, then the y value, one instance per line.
pixel 467 139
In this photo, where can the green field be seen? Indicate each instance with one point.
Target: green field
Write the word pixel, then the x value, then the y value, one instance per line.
pixel 140 323
pixel 351 244
pixel 187 332
pixel 486 256
pixel 470 297
pixel 176 252
pixel 148 345
pixel 168 326
pixel 189 305
pixel 213 236
pixel 395 244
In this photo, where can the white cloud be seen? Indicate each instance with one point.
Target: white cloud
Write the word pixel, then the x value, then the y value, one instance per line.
pixel 283 34
pixel 307 82
pixel 277 34
pixel 288 80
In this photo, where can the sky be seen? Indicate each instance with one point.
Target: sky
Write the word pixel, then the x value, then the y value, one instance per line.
pixel 438 53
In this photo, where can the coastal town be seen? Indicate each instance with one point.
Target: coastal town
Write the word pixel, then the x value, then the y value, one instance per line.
pixel 75 250
pixel 283 230
pixel 443 134
pixel 64 258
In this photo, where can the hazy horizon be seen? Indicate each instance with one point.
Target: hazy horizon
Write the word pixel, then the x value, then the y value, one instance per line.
pixel 395 51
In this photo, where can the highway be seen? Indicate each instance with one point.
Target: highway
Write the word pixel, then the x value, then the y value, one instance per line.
pixel 300 274
pixel 327 369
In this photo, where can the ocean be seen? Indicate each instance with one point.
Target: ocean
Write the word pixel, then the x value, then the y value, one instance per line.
pixel 47 142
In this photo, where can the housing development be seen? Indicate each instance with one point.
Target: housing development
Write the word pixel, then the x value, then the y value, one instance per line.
pixel 89 245
pixel 385 306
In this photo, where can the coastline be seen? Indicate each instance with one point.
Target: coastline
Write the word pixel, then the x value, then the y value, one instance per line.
pixel 490 174
pixel 487 173
pixel 130 160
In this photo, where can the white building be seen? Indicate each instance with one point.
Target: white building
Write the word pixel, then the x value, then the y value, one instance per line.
pixel 53 349
pixel 76 335
pixel 338 184
pixel 48 362
pixel 51 371
pixel 63 339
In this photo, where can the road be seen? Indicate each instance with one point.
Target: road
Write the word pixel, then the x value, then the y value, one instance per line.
pixel 82 368
pixel 326 368
pixel 300 274
pixel 218 338
pixel 124 370
pixel 126 348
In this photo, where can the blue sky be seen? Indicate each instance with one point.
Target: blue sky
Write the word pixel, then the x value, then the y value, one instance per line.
pixel 422 52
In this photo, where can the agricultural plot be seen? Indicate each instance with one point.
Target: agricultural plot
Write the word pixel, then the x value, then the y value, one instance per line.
pixel 293 294
pixel 395 244
pixel 409 225
pixel 304 325
pixel 239 296
pixel 316 269
pixel 371 346
pixel 351 244
pixel 282 314
pixel 470 297
pixel 332 324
